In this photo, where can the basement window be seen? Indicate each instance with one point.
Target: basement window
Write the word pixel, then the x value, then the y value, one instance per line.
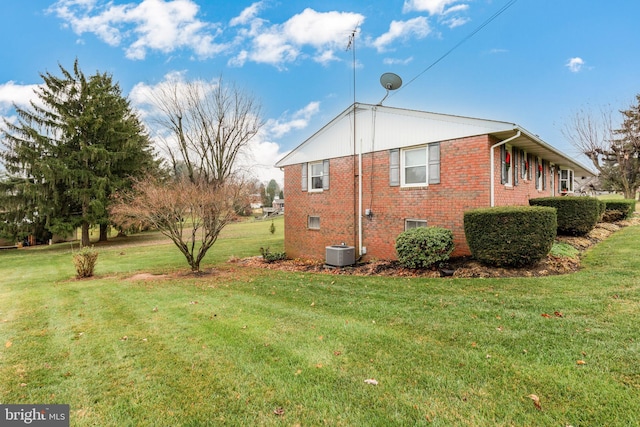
pixel 313 222
pixel 414 223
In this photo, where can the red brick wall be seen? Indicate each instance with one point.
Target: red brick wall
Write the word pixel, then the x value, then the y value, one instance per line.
pixel 335 207
pixel 464 184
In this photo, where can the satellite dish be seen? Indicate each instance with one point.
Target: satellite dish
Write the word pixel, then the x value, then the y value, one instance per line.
pixel 390 81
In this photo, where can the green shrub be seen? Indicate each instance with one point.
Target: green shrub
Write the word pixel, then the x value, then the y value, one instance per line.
pixel 618 209
pixel 512 236
pixel 577 216
pixel 270 257
pixel 424 247
pixel 85 261
pixel 602 207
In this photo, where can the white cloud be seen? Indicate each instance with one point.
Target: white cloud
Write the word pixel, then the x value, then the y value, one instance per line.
pixel 262 156
pixel 279 44
pixel 434 7
pixel 247 15
pixel 416 27
pixel 396 61
pixel 151 25
pixel 299 120
pixel 167 26
pixel 575 65
pixel 12 93
pixel 456 8
pixel 455 21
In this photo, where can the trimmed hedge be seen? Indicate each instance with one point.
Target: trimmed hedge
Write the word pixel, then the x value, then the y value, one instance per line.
pixel 577 216
pixel 512 236
pixel 424 247
pixel 618 209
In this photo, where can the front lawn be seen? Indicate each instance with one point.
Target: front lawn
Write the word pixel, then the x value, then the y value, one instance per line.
pixel 246 346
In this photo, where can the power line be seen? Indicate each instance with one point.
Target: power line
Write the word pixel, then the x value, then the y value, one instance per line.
pixel 473 33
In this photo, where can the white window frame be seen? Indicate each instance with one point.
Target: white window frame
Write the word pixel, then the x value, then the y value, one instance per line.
pixel 313 222
pixel 403 166
pixel 416 223
pixel 568 179
pixel 311 176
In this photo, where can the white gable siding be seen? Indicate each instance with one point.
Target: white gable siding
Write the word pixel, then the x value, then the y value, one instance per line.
pixel 384 128
pixel 392 127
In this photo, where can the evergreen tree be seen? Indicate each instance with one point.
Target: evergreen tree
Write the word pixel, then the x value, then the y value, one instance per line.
pixel 272 189
pixel 71 150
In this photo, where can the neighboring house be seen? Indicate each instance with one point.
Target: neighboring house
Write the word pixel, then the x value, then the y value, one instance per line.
pixel 277 208
pixel 375 171
pixel 278 205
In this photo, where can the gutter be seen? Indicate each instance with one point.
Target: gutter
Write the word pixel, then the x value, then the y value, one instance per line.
pixel 493 172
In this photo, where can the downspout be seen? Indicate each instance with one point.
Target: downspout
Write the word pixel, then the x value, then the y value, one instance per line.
pixel 360 201
pixel 493 184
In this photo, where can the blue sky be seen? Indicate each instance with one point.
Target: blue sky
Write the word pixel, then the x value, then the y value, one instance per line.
pixel 535 64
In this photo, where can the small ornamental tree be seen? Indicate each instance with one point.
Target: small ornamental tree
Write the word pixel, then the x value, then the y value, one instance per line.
pixel 424 247
pixel 85 262
pixel 191 214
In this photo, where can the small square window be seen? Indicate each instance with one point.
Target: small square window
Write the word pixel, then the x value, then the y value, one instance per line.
pixel 414 223
pixel 313 223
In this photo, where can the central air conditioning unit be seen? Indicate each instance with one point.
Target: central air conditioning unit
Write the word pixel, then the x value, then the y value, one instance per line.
pixel 340 255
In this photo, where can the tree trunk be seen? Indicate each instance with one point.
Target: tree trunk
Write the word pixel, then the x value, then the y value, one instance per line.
pixel 85 234
pixel 104 229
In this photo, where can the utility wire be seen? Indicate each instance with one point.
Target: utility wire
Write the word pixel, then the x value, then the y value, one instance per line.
pixel 473 33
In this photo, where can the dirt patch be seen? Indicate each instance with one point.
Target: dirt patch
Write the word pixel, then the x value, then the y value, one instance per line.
pixel 147 276
pixel 456 267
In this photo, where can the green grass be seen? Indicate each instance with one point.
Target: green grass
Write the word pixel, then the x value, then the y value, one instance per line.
pixel 563 250
pixel 230 348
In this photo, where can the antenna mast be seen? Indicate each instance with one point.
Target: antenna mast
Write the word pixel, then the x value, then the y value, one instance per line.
pixel 351 45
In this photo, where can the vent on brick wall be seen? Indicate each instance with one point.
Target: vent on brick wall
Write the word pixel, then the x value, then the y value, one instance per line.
pixel 340 255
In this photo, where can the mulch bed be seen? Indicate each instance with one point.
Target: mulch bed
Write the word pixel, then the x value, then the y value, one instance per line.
pixel 457 267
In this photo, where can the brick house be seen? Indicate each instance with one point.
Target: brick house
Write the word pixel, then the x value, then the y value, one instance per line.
pixel 375 171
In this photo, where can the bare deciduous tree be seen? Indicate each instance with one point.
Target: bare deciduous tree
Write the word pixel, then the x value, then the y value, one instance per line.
pixel 206 127
pixel 613 152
